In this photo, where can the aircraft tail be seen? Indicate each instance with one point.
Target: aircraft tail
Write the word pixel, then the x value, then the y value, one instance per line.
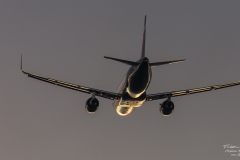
pixel 144 38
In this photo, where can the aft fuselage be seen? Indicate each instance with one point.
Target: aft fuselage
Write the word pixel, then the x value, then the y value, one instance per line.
pixel 133 87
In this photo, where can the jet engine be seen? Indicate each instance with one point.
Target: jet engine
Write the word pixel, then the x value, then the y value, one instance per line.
pixel 92 105
pixel 167 107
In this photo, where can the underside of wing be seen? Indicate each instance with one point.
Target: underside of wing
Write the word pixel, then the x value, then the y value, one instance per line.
pixel 100 93
pixel 156 96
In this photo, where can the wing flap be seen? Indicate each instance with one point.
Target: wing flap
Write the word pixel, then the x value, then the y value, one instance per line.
pixel 151 97
pixel 100 93
pixel 59 83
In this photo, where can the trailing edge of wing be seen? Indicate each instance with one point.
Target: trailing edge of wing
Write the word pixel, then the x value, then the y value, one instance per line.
pixel 165 62
pixel 123 61
pixel 100 93
pixel 151 97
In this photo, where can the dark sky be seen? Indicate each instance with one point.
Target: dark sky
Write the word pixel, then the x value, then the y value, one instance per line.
pixel 67 40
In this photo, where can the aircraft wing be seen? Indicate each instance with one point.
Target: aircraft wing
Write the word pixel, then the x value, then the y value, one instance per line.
pixel 156 96
pixel 100 93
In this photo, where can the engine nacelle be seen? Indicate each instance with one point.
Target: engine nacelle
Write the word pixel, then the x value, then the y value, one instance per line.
pixel 167 107
pixel 92 105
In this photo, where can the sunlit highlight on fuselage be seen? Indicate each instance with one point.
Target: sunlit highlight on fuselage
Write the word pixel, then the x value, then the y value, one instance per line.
pixel 133 88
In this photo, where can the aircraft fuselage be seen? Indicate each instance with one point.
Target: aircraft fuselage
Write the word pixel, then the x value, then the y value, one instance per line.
pixel 133 87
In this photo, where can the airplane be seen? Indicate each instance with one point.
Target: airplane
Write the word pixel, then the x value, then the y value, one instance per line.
pixel 131 92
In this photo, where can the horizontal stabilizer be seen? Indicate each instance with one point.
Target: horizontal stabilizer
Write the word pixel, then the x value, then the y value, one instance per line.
pixel 123 61
pixel 165 62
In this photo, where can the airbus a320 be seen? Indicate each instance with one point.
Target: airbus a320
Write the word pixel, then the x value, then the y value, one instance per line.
pixel 131 92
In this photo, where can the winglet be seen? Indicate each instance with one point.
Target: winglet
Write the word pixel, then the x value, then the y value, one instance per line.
pixel 21 66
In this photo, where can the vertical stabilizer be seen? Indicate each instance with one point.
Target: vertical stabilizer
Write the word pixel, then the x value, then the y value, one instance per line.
pixel 144 38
